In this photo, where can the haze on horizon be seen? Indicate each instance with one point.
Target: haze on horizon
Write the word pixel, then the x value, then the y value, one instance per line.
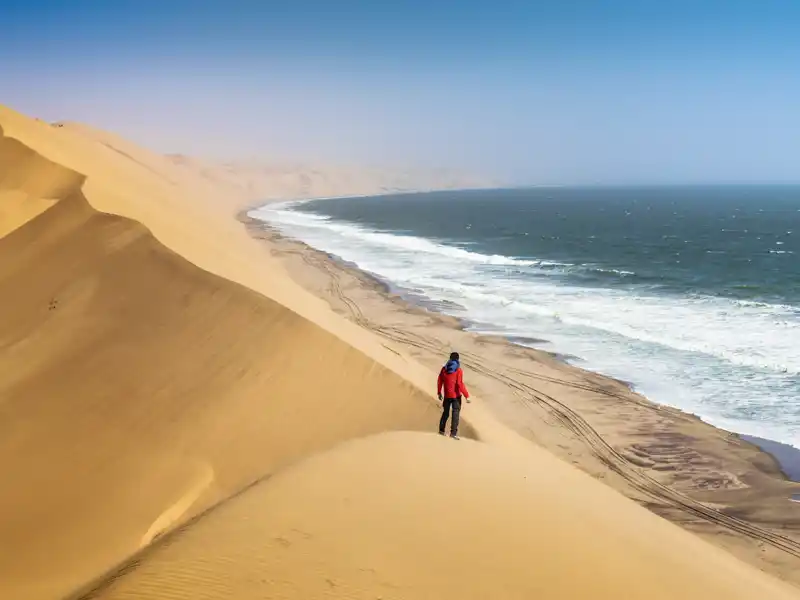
pixel 536 92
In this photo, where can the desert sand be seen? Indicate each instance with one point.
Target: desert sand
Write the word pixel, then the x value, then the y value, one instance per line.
pixel 180 418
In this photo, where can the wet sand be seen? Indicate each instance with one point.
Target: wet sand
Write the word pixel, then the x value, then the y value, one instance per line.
pixel 788 457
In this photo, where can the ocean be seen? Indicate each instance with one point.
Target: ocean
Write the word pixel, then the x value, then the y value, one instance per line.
pixel 691 294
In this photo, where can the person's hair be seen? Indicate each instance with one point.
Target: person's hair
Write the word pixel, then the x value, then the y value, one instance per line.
pixel 454 356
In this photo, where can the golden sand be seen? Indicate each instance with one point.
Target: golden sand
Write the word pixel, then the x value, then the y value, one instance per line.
pixel 180 419
pixel 412 516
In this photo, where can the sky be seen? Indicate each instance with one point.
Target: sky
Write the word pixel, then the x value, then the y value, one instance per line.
pixel 559 92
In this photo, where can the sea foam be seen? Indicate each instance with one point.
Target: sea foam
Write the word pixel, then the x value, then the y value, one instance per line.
pixel 735 363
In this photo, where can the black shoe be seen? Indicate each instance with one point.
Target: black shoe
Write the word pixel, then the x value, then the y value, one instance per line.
pixel 454 436
pixel 441 433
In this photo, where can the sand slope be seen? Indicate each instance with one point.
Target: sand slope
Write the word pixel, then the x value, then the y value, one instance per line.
pixel 137 389
pixel 410 516
pixel 154 363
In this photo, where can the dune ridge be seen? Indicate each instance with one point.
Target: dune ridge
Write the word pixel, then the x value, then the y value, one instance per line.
pixel 324 529
pixel 138 389
pixel 181 420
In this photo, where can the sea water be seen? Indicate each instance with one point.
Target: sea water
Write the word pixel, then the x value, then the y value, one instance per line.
pixel 692 294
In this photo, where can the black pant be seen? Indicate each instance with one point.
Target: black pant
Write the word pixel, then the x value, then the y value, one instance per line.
pixel 446 404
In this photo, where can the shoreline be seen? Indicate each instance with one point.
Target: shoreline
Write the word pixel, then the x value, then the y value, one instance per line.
pixel 671 462
pixel 242 213
pixel 786 456
pixel 390 289
pixel 700 370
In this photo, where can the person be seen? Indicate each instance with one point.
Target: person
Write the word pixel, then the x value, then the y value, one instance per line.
pixel 450 387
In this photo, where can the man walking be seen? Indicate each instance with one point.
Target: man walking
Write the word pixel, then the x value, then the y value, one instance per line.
pixel 451 382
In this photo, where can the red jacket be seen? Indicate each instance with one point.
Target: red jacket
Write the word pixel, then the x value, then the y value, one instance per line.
pixel 453 384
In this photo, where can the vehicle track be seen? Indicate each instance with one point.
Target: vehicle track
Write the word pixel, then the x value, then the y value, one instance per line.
pixel 571 420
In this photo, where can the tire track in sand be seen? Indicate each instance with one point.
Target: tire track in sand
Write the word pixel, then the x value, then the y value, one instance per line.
pixel 570 419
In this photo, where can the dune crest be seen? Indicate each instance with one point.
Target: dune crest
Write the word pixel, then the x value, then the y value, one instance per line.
pixel 411 516
pixel 173 515
pixel 124 367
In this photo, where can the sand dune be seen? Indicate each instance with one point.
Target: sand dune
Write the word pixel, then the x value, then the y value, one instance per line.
pixel 409 515
pixel 282 180
pixel 138 389
pixel 177 420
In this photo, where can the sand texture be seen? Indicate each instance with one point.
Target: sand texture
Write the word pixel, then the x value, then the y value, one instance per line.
pixel 409 515
pixel 179 418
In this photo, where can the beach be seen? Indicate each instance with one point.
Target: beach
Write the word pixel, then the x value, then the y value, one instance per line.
pixel 710 481
pixel 196 407
pixel 640 283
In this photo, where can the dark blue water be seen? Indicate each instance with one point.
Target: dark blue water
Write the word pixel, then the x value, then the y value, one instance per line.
pixel 691 293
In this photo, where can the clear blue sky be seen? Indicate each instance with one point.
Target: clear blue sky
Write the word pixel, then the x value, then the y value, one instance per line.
pixel 546 92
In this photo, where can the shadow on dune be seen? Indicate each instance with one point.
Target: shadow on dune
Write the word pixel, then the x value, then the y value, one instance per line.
pixel 137 390
pixel 29 183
